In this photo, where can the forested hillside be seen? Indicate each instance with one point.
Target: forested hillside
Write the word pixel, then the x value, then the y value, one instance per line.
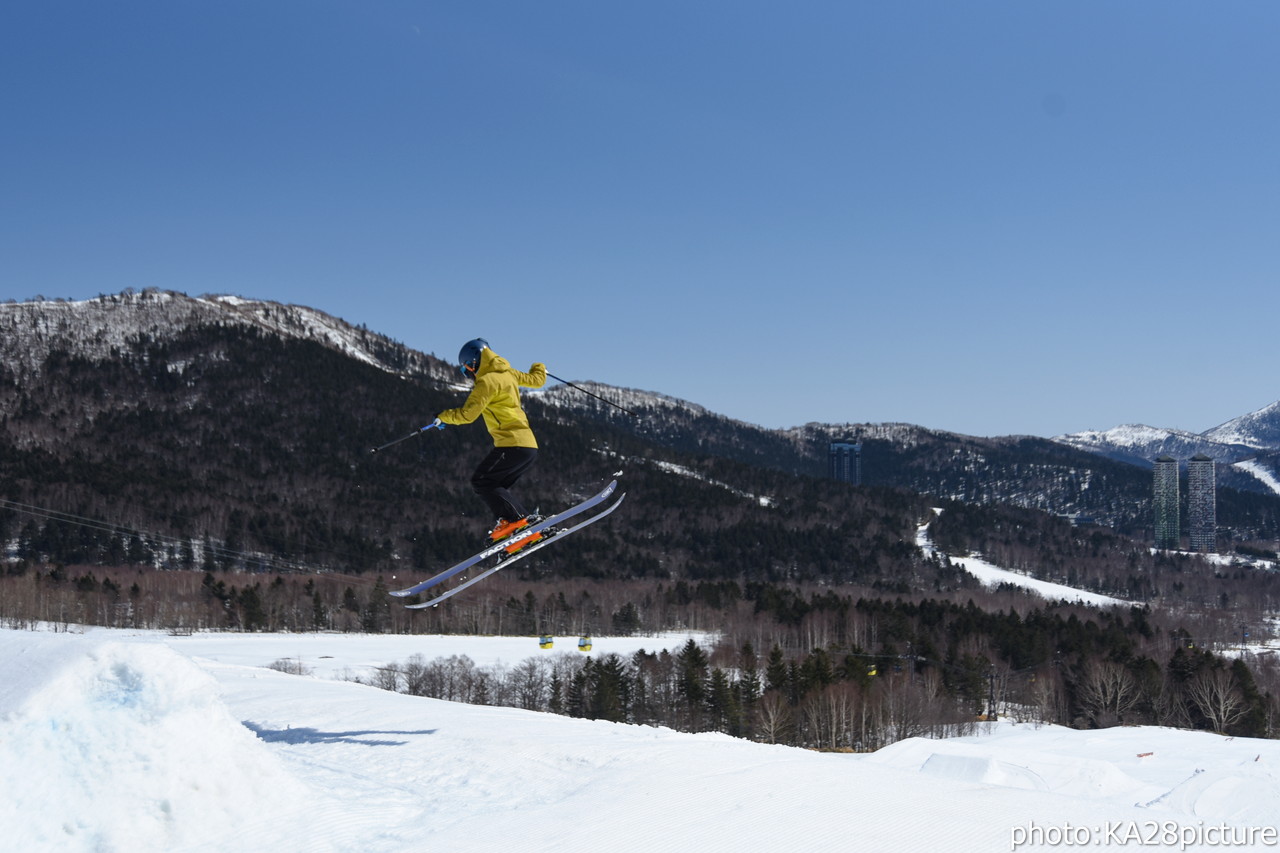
pixel 1024 471
pixel 220 444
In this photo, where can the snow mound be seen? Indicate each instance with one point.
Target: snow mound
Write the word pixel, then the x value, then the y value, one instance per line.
pixel 1238 793
pixel 987 771
pixel 134 748
pixel 1011 767
pixel 1174 774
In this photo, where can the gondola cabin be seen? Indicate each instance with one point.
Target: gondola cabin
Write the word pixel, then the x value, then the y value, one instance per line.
pixel 584 644
pixel 546 641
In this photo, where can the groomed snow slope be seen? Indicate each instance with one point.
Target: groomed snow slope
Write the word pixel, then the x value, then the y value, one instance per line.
pixel 117 742
pixel 992 575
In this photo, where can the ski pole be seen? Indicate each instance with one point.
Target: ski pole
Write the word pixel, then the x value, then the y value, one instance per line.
pixel 597 396
pixel 434 425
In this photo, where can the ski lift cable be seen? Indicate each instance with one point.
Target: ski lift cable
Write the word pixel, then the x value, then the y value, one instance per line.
pixel 159 538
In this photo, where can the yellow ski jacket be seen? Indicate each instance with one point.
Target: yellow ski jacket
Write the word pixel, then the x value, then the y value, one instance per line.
pixel 496 396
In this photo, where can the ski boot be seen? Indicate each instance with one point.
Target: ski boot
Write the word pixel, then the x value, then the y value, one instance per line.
pixel 504 529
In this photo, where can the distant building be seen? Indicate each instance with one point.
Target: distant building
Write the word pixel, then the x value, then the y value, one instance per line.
pixel 844 462
pixel 1165 503
pixel 1202 504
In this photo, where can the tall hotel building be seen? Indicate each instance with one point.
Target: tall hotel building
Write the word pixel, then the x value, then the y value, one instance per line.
pixel 844 461
pixel 1166 503
pixel 1202 508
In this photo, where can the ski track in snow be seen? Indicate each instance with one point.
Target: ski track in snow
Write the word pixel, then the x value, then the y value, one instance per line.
pixel 992 575
pixel 136 741
pixel 1252 467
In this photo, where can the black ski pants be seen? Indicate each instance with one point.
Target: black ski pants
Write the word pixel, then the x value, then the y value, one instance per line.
pixel 495 476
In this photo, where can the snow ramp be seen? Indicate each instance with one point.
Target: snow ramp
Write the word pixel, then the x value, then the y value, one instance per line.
pixel 110 746
pixel 994 761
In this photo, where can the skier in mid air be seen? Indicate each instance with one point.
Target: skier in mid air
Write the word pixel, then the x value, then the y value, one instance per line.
pixel 496 398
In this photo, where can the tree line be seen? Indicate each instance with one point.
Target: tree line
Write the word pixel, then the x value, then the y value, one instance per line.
pixel 809 703
pixel 914 662
pixel 837 699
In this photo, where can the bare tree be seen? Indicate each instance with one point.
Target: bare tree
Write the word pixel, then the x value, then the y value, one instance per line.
pixel 388 677
pixel 1215 694
pixel 1107 691
pixel 1042 700
pixel 830 715
pixel 775 717
pixel 530 684
pixel 908 705
pixel 1170 705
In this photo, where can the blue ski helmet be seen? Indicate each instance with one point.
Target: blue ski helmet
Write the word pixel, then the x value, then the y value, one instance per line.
pixel 469 356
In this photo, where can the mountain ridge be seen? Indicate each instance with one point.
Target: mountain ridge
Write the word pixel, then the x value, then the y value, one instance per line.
pixel 156 339
pixel 1248 446
pixel 92 328
pixel 136 312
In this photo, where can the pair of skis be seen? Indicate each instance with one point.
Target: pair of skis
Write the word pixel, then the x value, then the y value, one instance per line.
pixel 547 527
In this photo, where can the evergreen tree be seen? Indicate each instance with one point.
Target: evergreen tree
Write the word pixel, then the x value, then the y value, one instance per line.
pixel 556 702
pixel 609 690
pixel 1254 721
pixel 748 687
pixel 816 672
pixel 691 665
pixel 723 709
pixel 775 673
pixel 253 614
pixel 377 612
pixel 577 697
pixel 643 664
pixel 626 620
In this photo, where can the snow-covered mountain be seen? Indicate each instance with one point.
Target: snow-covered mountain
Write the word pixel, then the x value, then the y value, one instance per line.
pixel 1247 446
pixel 1260 429
pixel 1013 469
pixel 1140 444
pixel 1232 441
pixel 93 328
pixel 611 399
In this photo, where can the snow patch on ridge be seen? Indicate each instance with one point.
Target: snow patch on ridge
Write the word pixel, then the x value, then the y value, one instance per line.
pixel 98 326
pixel 1251 466
pixel 683 471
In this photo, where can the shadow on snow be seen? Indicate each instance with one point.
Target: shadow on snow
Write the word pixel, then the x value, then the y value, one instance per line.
pixel 309 735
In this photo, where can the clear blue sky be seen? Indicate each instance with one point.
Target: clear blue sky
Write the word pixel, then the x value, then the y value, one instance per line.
pixel 987 217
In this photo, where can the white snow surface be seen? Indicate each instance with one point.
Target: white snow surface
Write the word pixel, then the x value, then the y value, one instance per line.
pixel 1125 435
pixel 126 741
pixel 684 471
pixel 1256 429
